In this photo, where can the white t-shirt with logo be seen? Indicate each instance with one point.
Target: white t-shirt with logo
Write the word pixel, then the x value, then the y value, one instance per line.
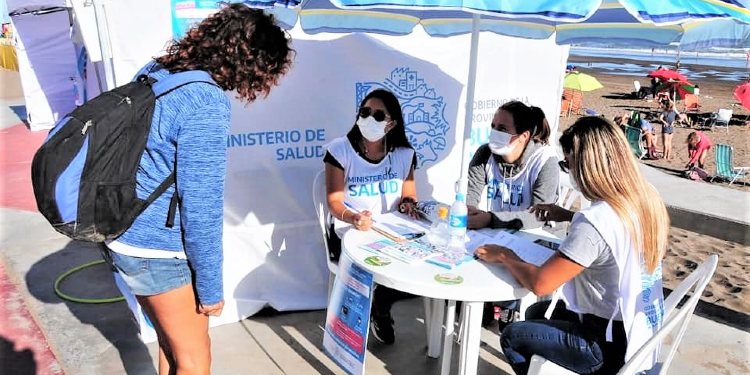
pixel 514 193
pixel 375 187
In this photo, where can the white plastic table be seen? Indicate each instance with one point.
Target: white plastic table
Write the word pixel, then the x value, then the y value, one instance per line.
pixel 482 282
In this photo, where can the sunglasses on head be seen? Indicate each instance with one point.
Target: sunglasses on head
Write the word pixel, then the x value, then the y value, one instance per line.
pixel 564 166
pixel 378 114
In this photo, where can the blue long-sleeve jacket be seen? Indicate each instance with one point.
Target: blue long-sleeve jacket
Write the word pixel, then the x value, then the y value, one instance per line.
pixel 189 130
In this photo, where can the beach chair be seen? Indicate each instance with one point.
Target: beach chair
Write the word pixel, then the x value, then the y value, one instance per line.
pixel 633 136
pixel 725 166
pixel 673 322
pixel 691 104
pixel 572 102
pixel 721 119
pixel 324 220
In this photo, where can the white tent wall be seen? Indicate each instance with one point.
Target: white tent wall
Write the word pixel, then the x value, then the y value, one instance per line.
pixel 273 249
pixel 47 65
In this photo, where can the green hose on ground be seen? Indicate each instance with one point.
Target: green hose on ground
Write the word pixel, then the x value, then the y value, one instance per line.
pixel 69 272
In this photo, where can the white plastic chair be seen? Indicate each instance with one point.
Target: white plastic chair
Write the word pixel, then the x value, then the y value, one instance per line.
pixel 324 220
pixel 696 282
pixel 722 119
pixel 637 87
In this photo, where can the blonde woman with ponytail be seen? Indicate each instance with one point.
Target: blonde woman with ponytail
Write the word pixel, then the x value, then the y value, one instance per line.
pixel 609 265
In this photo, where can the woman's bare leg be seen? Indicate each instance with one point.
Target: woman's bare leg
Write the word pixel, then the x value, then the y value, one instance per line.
pixel 184 344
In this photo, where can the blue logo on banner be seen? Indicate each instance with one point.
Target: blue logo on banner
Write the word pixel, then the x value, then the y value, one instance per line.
pixel 426 126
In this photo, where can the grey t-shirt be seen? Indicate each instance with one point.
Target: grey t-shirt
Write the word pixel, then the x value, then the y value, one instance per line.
pixel 544 188
pixel 596 286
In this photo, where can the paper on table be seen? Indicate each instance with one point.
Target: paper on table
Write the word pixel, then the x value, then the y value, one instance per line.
pixel 525 249
pixel 399 224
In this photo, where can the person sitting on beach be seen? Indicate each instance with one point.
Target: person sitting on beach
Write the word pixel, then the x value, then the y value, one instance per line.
pixel 648 133
pixel 698 146
pixel 610 263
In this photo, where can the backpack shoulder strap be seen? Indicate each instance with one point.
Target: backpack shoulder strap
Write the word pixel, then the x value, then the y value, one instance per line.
pixel 174 81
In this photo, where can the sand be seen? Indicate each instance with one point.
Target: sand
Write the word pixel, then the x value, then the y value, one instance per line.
pixel 727 293
pixel 614 99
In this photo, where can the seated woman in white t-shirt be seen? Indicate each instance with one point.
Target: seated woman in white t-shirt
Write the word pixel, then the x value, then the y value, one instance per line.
pixel 610 263
pixel 371 169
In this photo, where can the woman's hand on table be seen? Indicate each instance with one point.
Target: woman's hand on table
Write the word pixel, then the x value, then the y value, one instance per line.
pixel 495 254
pixel 477 218
pixel 408 206
pixel 551 212
pixel 362 220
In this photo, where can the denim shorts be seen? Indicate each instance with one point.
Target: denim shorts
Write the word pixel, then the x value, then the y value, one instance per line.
pixel 151 276
pixel 667 129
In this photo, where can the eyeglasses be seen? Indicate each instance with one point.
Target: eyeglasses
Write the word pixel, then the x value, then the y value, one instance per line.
pixel 564 166
pixel 378 114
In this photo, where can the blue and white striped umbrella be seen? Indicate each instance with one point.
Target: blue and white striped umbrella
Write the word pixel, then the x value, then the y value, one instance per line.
pixel 631 22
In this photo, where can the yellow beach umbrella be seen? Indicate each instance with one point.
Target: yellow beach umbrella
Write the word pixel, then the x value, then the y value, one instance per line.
pixel 581 81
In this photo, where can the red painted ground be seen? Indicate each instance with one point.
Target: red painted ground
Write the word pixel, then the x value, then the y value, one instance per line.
pixel 17 147
pixel 23 347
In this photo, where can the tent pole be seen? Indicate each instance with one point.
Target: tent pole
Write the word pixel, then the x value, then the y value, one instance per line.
pixel 461 184
pixel 102 30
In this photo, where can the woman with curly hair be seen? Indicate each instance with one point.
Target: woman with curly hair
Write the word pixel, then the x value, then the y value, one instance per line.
pixel 176 271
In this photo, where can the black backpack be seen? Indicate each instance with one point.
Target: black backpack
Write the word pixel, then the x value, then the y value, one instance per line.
pixel 84 175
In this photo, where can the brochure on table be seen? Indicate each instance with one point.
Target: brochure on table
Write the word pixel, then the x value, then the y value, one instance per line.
pixel 348 316
pixel 524 248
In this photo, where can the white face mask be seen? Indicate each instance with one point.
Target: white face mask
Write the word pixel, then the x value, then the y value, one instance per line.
pixel 372 130
pixel 500 142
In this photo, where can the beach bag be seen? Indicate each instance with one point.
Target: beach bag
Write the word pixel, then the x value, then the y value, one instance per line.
pixel 84 174
pixel 696 174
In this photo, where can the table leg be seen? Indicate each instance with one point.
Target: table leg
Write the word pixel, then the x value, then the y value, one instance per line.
pixel 434 323
pixel 471 317
pixel 526 301
pixel 450 320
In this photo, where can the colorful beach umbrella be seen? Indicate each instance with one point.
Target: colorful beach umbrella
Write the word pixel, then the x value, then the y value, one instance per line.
pixel 728 33
pixel 581 82
pixel 667 74
pixel 742 93
pixel 517 18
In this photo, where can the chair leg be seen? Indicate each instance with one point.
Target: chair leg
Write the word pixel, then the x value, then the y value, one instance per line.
pixel 734 178
pixel 331 279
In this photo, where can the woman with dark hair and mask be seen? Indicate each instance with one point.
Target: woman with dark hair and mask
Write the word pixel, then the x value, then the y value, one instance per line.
pixel 519 169
pixel 176 271
pixel 371 170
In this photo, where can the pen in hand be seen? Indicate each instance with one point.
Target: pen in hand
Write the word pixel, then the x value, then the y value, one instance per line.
pixel 369 224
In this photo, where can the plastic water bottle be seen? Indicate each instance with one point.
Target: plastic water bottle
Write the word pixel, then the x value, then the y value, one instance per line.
pixel 458 221
pixel 429 210
pixel 439 234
